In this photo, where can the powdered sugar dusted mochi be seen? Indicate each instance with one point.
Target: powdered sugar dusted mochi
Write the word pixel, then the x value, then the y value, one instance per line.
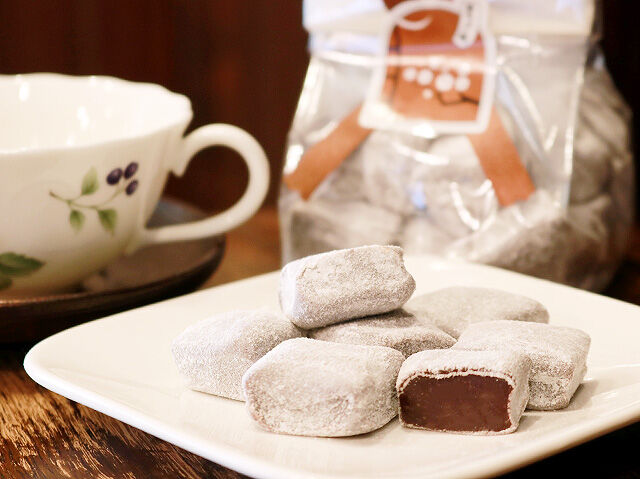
pixel 558 356
pixel 454 309
pixel 398 329
pixel 344 284
pixel 470 392
pixel 212 355
pixel 317 388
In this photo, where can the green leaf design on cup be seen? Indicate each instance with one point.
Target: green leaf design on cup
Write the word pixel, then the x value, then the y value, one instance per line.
pixel 13 265
pixel 76 220
pixel 90 182
pixel 120 180
pixel 108 219
pixel 5 282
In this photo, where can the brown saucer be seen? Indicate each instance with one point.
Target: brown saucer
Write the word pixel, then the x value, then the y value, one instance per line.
pixel 149 275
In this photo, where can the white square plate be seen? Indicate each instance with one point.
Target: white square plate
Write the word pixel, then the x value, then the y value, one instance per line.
pixel 122 366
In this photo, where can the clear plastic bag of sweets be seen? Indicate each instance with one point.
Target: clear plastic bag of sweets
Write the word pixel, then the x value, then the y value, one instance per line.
pixel 485 130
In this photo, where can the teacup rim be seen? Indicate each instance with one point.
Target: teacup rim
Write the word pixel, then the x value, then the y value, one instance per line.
pixel 179 119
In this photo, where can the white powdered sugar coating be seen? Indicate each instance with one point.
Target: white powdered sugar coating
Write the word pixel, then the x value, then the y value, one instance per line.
pixel 454 309
pixel 558 356
pixel 213 354
pixel 331 287
pixel 511 366
pixel 398 329
pixel 306 387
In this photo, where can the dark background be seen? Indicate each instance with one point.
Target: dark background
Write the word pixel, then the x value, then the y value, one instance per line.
pixel 240 62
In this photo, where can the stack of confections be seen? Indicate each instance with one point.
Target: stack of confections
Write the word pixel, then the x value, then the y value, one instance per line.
pixel 432 196
pixel 348 352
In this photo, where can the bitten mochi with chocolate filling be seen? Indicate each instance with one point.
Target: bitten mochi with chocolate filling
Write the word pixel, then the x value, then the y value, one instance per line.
pixel 213 354
pixel 453 309
pixel 558 356
pixel 398 329
pixel 307 387
pixel 345 284
pixel 467 392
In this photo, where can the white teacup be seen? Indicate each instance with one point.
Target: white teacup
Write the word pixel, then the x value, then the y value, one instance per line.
pixel 83 162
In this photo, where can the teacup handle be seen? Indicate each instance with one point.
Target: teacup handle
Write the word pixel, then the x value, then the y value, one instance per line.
pixel 256 160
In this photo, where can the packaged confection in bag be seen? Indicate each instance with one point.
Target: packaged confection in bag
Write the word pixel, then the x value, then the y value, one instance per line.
pixel 483 130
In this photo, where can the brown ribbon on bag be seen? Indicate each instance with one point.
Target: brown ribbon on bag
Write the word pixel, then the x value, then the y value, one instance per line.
pixel 407 95
pixel 501 163
pixel 327 155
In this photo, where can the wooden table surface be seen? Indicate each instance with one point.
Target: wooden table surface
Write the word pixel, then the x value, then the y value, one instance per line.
pixel 43 435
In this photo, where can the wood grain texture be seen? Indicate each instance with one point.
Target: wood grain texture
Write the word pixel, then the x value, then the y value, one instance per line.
pixel 43 435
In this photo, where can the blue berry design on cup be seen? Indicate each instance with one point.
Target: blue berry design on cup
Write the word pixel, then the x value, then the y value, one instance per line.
pixel 119 179
pixel 130 170
pixel 131 187
pixel 113 178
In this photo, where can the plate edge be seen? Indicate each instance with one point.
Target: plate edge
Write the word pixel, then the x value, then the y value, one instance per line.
pixel 260 469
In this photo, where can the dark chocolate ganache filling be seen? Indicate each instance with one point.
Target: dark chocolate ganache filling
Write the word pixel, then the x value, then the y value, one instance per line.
pixel 458 403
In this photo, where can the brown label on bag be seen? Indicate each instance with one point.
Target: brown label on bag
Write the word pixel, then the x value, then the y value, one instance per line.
pixel 446 84
pixel 437 74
